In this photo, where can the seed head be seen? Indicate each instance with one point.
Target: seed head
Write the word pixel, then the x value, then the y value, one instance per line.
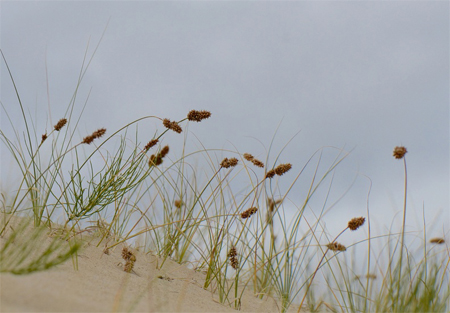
pixel 232 254
pixel 128 267
pixel 60 124
pixel 164 151
pixel 155 160
pixel 356 222
pixel 126 254
pixel 197 116
pixel 226 163
pixel 248 156
pixel 335 246
pixel 178 203
pixel 399 152
pixel 172 125
pixel 249 212
pixel 270 174
pixel 44 137
pixel 150 144
pixel 257 163
pixel 438 241
pixel 282 168
pixel 97 134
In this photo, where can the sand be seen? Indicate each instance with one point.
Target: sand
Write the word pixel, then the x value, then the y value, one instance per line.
pixel 101 285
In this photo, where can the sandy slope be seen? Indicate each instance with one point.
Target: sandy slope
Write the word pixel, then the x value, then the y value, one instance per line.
pixel 101 285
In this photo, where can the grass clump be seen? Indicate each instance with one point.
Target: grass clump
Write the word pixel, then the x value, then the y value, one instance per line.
pixel 259 239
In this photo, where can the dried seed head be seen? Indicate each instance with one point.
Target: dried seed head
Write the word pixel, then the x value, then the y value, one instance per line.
pixel 128 267
pixel 155 160
pixel 399 152
pixel 178 203
pixel 44 137
pixel 126 254
pixel 226 163
pixel 97 134
pixel 232 255
pixel 248 156
pixel 282 168
pixel 356 222
pixel 60 124
pixel 335 246
pixel 172 125
pixel 164 151
pixel 270 174
pixel 249 212
pixel 438 241
pixel 150 144
pixel 258 163
pixel 232 252
pixel 197 116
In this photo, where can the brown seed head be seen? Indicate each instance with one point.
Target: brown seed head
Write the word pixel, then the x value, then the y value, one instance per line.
pixel 178 203
pixel 399 152
pixel 128 267
pixel 44 137
pixel 155 160
pixel 172 125
pixel 60 124
pixel 438 241
pixel 232 255
pixel 249 212
pixel 226 163
pixel 356 222
pixel 97 134
pixel 282 168
pixel 335 246
pixel 248 156
pixel 257 163
pixel 150 144
pixel 164 151
pixel 270 174
pixel 197 116
pixel 126 254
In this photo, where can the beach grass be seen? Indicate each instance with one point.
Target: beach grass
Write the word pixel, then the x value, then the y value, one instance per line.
pixel 222 212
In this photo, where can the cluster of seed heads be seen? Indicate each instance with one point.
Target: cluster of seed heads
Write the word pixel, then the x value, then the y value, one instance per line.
pixel 255 162
pixel 232 255
pixel 226 163
pixel 129 258
pixel 97 134
pixel 335 246
pixel 60 124
pixel 157 159
pixel 356 223
pixel 399 152
pixel 249 212
pixel 150 144
pixel 197 116
pixel 172 125
pixel 279 170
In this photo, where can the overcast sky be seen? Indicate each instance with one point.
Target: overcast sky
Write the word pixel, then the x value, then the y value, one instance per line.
pixel 363 76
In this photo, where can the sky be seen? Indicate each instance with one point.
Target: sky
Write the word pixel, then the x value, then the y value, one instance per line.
pixel 360 76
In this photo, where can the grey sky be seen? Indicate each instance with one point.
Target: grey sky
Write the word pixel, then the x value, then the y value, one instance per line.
pixel 356 75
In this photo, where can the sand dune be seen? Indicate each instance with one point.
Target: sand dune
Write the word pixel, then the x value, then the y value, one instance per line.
pixel 101 285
